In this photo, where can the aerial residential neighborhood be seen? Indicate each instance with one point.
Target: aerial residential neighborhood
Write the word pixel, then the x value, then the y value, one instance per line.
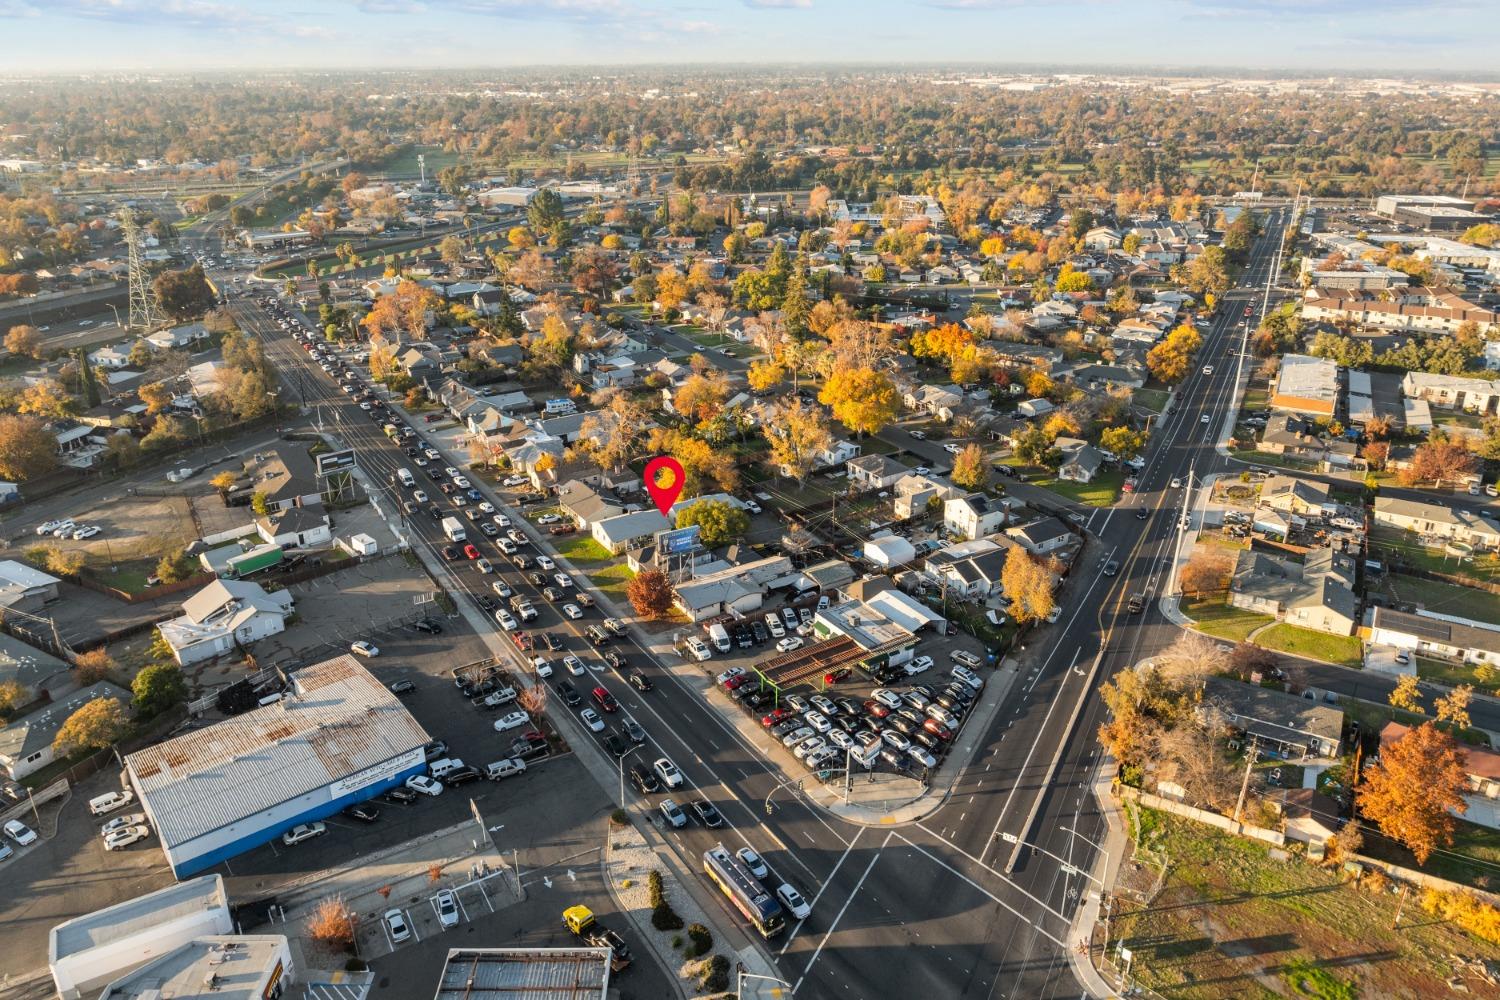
pixel 520 500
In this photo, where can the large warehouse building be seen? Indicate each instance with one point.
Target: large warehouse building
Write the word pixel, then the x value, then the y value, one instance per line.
pixel 337 737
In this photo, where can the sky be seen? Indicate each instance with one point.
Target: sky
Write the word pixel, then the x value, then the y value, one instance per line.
pixel 1373 37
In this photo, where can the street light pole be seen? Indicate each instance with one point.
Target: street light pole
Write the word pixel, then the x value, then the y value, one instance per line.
pixel 739 985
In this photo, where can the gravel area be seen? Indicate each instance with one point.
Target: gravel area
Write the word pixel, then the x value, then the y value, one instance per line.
pixel 627 858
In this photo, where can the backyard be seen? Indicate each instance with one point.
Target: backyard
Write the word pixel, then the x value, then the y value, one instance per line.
pixel 1445 598
pixel 1235 918
pixel 1406 547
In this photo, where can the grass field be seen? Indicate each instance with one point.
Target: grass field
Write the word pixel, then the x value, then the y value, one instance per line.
pixel 1152 399
pixel 1341 649
pixel 1473 858
pixel 1216 618
pixel 1233 921
pixel 1451 674
pixel 1102 492
pixel 1445 598
pixel 581 549
pixel 405 161
pixel 1410 548
pixel 613 580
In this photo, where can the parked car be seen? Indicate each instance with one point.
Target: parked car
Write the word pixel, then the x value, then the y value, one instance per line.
pixel 20 832
pixel 447 908
pixel 303 831
pixel 512 720
pixel 396 926
pixel 125 836
pixel 363 648
pixel 424 785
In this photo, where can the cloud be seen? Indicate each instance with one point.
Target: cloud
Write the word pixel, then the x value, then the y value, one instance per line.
pixel 1326 8
pixel 779 4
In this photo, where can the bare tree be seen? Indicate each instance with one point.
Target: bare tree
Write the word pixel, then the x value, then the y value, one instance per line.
pixel 1191 754
pixel 332 925
pixel 1190 659
pixel 534 699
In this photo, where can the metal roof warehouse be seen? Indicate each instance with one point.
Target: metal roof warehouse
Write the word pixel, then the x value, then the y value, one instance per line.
pixel 336 737
pixel 533 973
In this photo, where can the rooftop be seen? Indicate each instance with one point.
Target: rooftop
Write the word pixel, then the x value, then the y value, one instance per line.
pixel 136 916
pixel 1275 714
pixel 34 732
pixel 532 973
pixel 1308 378
pixel 233 967
pixel 866 626
pixel 337 721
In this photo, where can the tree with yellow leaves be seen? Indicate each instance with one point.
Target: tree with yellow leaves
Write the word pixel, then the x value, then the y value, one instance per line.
pixel 702 397
pixel 671 288
pixel 402 311
pixel 863 400
pixel 46 398
pixel 1027 581
pixel 764 374
pixel 796 433
pixel 156 396
pixel 1039 385
pixel 1172 359
pixel 1406 696
pixel 969 470
pixel 1411 789
pixel 1453 708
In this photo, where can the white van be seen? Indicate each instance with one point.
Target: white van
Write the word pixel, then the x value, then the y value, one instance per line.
pixel 439 768
pixel 110 801
pixel 407 479
pixel 720 636
pixel 505 768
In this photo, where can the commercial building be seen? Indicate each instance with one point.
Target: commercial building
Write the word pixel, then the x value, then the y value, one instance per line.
pixel 89 952
pixel 336 737
pixel 1306 385
pixel 225 967
pixel 1431 212
pixel 525 974
pixel 510 197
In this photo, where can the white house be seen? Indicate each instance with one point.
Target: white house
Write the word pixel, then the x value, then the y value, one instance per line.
pixel 623 531
pixel 874 472
pixel 973 515
pixel 223 615
pixel 188 335
pixel 1042 536
pixel 112 358
pixel 889 551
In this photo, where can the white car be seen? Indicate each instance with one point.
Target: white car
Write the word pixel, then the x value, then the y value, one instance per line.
pixel 363 648
pixel 810 746
pixel 952 448
pixel 571 611
pixel 967 676
pixel 667 772
pixel 512 720
pixel 753 862
pixel 752 506
pixel 506 619
pixel 87 531
pixel 395 924
pixel 47 527
pixel 563 580
pixel 698 650
pixel 424 785
pixel 515 481
pixel 303 831
pixel 501 588
pixel 889 699
pixel 1176 483
pixel 548 519
pixel 545 562
pixel 793 901
pixel 543 667
pixel 125 836
pixel 919 665
pixel 501 521
pixel 896 739
pixel 463 483
pixel 574 665
pixel 420 496
pixel 1208 369
pixel 592 720
pixel 432 453
pixel 485 507
pixel 921 756
pixel 842 740
pixel 788 644
pixel 447 908
pixel 819 723
pixel 64 528
pixel 774 626
pixel 451 472
pixel 20 832
pixel 120 822
pixel 484 566
pixel 1203 419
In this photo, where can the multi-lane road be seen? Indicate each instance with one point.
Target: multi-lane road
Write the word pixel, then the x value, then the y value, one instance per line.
pixel 946 906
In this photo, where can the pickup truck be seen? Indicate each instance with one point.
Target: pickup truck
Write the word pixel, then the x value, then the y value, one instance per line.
pixel 580 920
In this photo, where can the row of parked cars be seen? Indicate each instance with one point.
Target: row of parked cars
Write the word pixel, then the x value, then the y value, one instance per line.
pixel 67 528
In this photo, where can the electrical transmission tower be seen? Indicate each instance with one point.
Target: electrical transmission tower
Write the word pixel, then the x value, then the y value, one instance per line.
pixel 143 308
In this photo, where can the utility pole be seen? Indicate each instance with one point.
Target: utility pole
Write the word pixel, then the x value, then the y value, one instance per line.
pixel 1245 785
pixel 1400 904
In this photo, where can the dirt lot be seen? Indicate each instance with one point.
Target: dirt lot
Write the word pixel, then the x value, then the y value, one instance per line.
pixel 1232 921
pixel 136 532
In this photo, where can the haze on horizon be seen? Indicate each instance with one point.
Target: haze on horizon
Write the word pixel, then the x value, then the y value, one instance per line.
pixel 1372 37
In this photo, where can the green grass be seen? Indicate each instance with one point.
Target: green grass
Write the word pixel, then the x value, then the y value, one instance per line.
pixel 1472 859
pixel 1340 649
pixel 1450 674
pixel 1271 458
pixel 613 580
pixel 1444 598
pixel 404 161
pixel 1216 618
pixel 1152 399
pixel 1317 983
pixel 1411 551
pixel 128 576
pixel 581 550
pixel 1256 399
pixel 1102 492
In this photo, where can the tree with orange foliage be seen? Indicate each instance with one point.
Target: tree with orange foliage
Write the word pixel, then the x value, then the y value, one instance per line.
pixel 403 311
pixel 1409 791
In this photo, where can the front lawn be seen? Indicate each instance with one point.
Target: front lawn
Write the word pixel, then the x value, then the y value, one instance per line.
pixel 1449 673
pixel 1150 399
pixel 1373 716
pixel 581 550
pixel 1344 650
pixel 1216 618
pixel 1102 492
pixel 613 580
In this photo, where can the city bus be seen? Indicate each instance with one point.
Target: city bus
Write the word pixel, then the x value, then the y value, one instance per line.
pixel 748 896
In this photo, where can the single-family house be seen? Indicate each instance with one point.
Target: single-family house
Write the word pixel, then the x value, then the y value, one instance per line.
pixel 1453 524
pixel 1081 465
pixel 26 743
pixel 1452 392
pixel 285 474
pixel 973 515
pixel 1042 536
pixel 1301 497
pixel 1318 593
pixel 874 472
pixel 1481 768
pixel 935 400
pixel 188 336
pixel 914 492
pixel 585 505
pixel 624 531
pixel 223 615
pixel 1283 725
pixel 1436 637
pixel 970 573
pixel 111 358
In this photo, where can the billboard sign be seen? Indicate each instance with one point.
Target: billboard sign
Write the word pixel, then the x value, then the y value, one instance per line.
pixel 330 462
pixel 670 543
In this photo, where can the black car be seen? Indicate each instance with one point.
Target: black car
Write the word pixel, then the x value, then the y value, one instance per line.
pixel 551 594
pixel 485 602
pixel 614 744
pixel 461 776
pixel 644 781
pixel 569 692
pixel 411 452
pixel 743 637
pixel 707 813
pixel 435 475
pixel 1142 514
pixel 363 812
pixel 400 796
pixel 640 681
pixel 450 553
pixel 759 631
pixel 554 642
pixel 615 660
pixel 931 742
pixel 403 687
pixel 435 512
pixel 436 750
pixel 539 579
pixel 428 626
pixel 758 701
pixel 1111 568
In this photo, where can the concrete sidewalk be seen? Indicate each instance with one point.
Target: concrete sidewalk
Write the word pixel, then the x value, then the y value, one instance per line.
pixel 1080 939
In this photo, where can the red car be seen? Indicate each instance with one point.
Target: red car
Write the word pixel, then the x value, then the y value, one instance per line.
pixel 524 640
pixel 736 682
pixel 876 709
pixel 776 716
pixel 605 700
pixel 471 551
pixel 937 729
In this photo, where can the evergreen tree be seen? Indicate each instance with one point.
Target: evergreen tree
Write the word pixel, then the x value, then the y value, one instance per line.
pixel 88 386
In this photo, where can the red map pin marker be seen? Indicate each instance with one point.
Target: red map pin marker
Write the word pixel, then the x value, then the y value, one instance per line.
pixel 664 479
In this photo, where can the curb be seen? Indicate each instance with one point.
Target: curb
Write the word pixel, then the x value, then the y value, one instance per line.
pixel 643 930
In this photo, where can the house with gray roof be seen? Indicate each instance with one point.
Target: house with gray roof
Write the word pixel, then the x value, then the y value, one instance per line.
pixel 1449 523
pixel 26 743
pixel 624 531
pixel 1281 723
pixel 973 515
pixel 1317 593
pixel 874 472
pixel 1042 536
pixel 1081 465
pixel 585 505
